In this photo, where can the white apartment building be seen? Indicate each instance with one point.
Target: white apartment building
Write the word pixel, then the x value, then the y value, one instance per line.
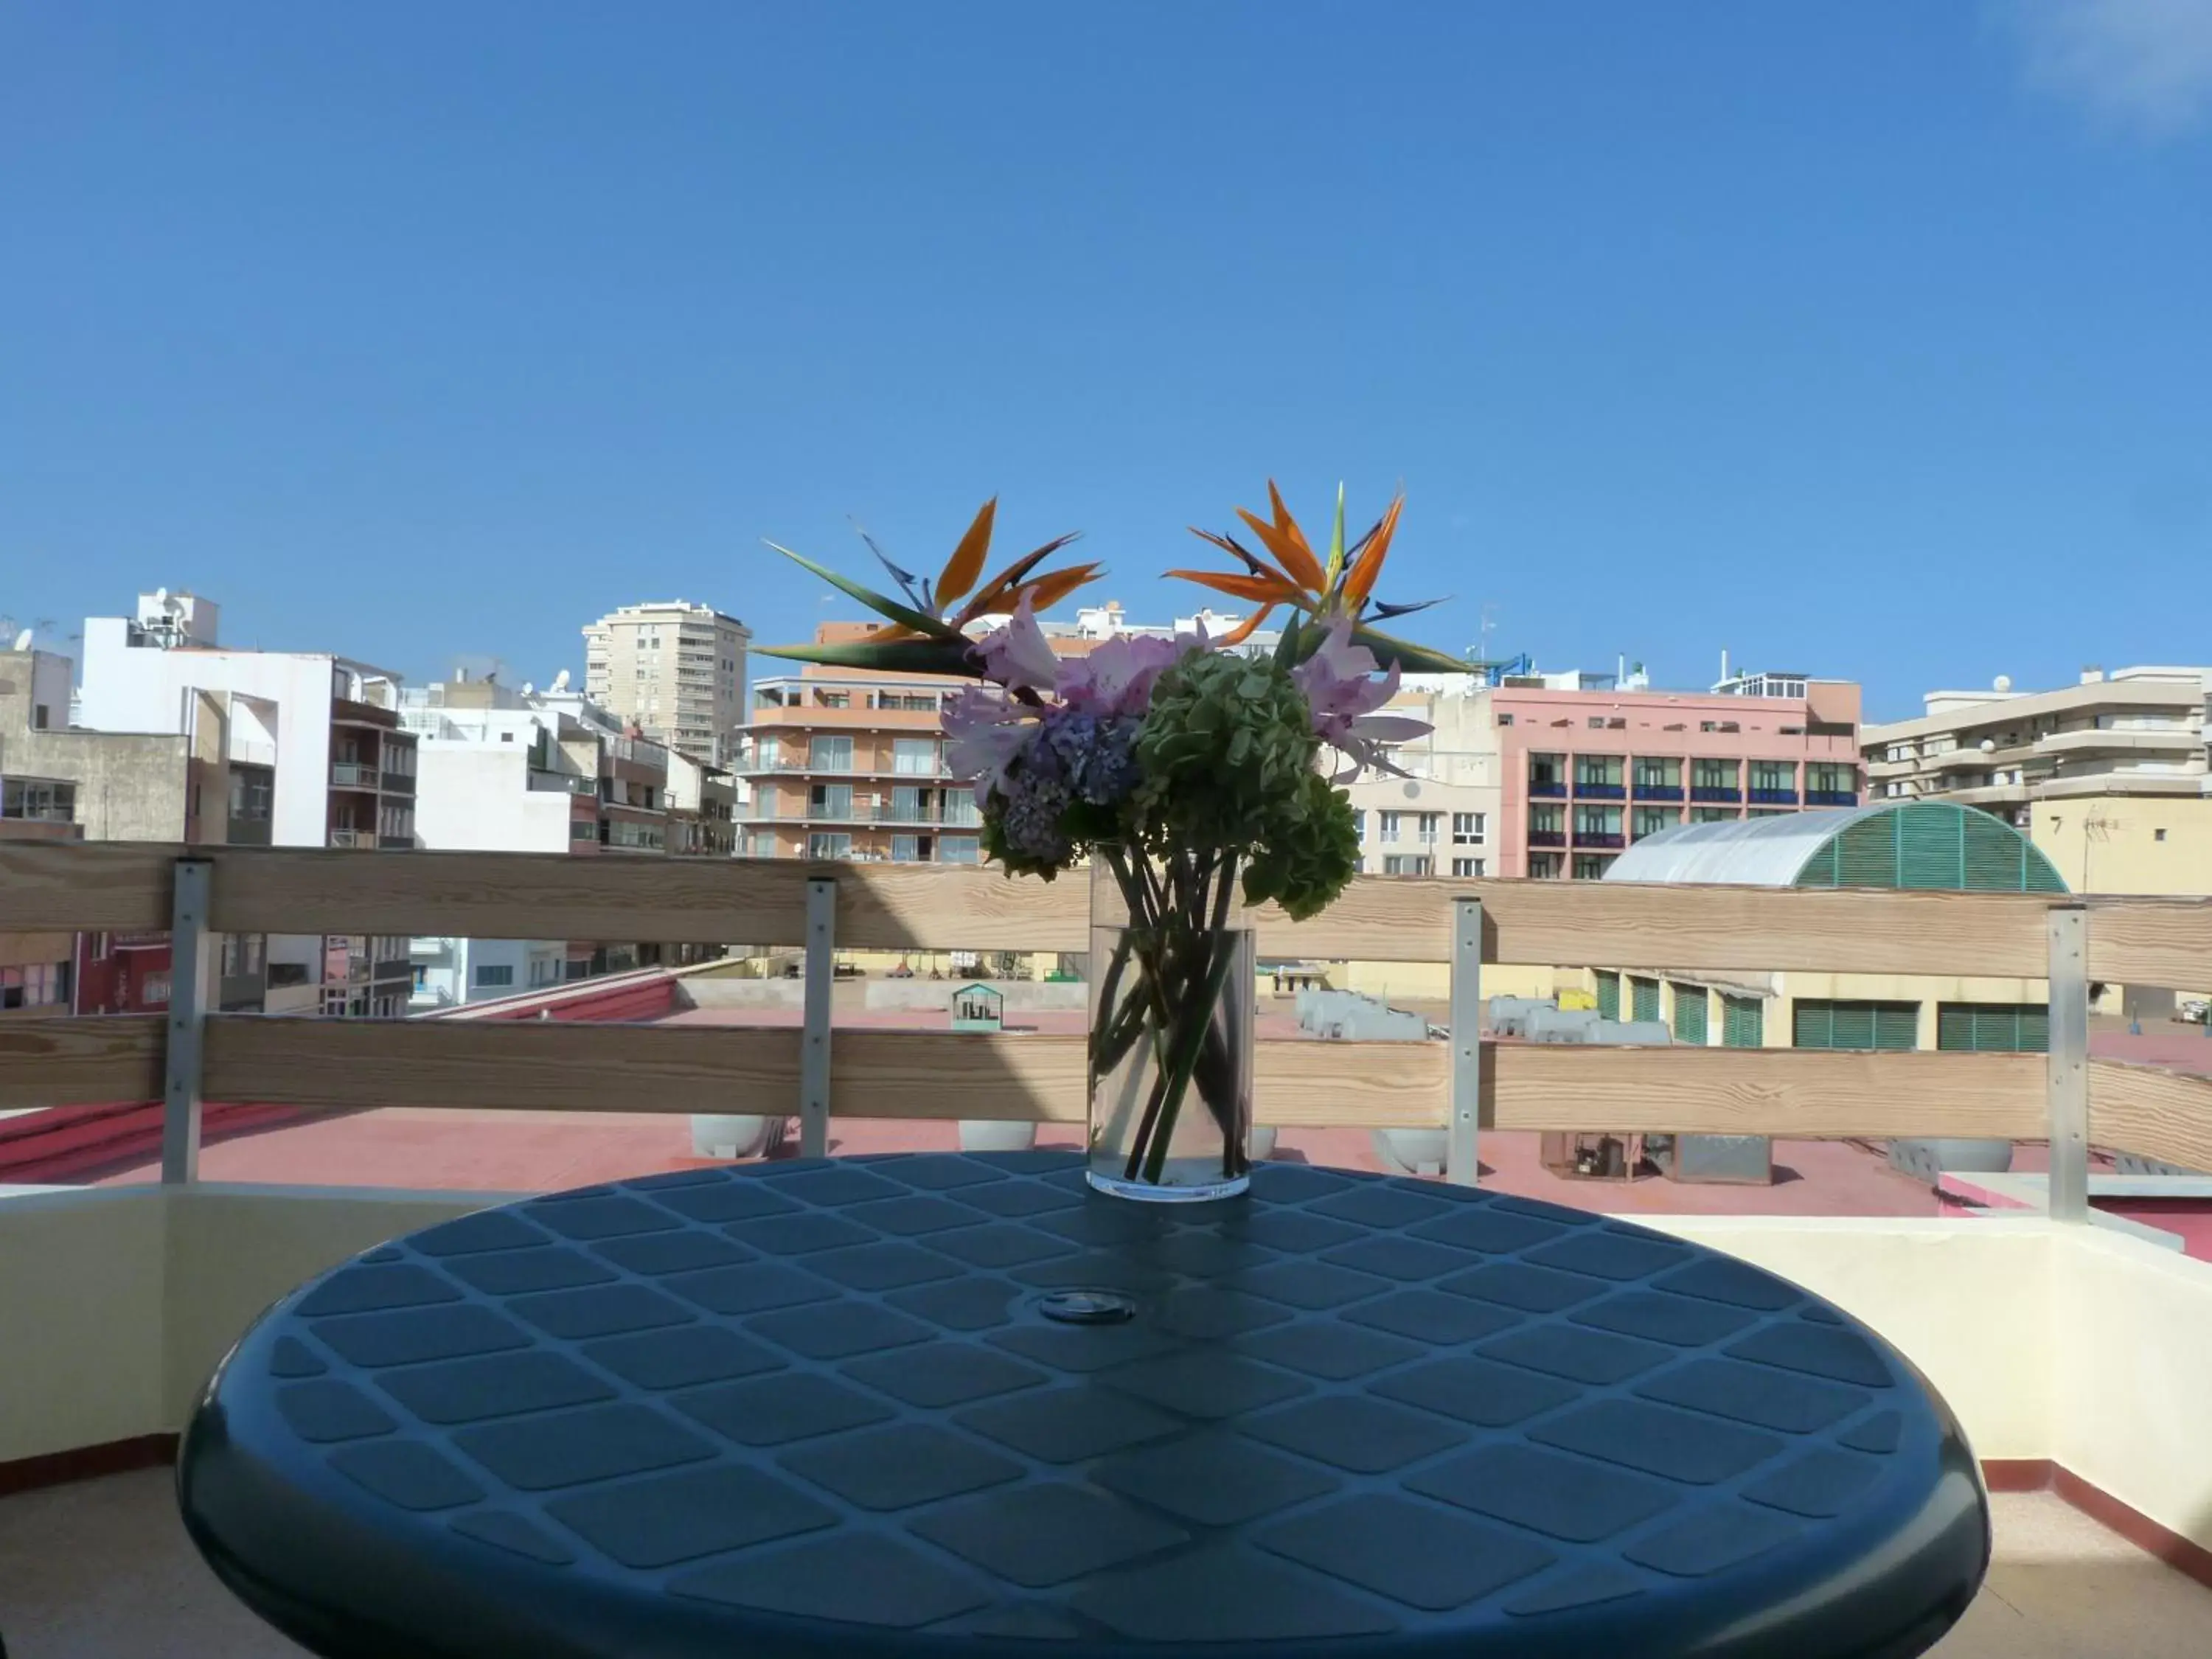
pixel 677 671
pixel 2108 776
pixel 327 729
pixel 1441 820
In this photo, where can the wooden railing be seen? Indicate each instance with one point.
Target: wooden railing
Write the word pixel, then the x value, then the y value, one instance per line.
pixel 345 1065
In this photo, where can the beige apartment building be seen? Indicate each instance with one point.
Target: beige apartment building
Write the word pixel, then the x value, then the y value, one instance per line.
pixel 2107 777
pixel 676 672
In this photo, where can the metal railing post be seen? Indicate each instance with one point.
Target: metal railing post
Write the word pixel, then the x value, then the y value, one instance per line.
pixel 2067 1063
pixel 1462 1133
pixel 814 1044
pixel 192 977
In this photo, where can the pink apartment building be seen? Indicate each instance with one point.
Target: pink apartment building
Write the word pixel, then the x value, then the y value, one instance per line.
pixel 1583 774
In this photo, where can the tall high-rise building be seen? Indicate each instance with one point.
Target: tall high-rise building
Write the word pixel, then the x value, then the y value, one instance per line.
pixel 677 671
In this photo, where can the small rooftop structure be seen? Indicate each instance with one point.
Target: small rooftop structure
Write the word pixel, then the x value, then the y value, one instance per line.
pixel 1923 845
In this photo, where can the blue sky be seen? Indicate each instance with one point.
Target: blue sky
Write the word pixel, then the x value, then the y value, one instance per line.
pixel 1868 338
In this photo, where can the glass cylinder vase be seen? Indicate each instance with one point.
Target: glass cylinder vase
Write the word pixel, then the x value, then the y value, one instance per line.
pixel 1173 995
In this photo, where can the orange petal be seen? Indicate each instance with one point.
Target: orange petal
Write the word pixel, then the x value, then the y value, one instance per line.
pixel 1259 590
pixel 1005 581
pixel 1245 629
pixel 1048 591
pixel 967 561
pixel 1361 581
pixel 1291 551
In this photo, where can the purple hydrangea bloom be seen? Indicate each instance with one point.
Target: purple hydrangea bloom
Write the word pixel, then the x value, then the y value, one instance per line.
pixel 1033 800
pixel 1097 758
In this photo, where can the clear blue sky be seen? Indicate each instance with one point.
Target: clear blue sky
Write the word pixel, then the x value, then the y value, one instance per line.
pixel 1870 337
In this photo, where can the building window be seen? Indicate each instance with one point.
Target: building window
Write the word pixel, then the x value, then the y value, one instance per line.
pixel 1820 1023
pixel 38 985
pixel 1505 720
pixel 2158 835
pixel 1658 774
pixel 487 973
pixel 242 954
pixel 1547 825
pixel 829 754
pixel 1650 820
pixel 583 830
pixel 1467 867
pixel 39 800
pixel 1826 779
pixel 154 991
pixel 1548 775
pixel 829 800
pixel 1597 824
pixel 1358 824
pixel 1692 1006
pixel 823 846
pixel 1994 1027
pixel 1390 825
pixel 1713 815
pixel 1467 828
pixel 955 849
pixel 1590 866
pixel 1608 994
pixel 1596 772
pixel 1407 864
pixel 1543 866
pixel 914 757
pixel 1428 824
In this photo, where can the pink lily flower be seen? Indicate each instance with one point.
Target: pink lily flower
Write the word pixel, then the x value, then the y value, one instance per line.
pixel 1018 656
pixel 984 731
pixel 1343 688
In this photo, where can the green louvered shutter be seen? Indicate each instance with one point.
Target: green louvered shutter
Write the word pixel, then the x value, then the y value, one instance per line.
pixel 1866 854
pixel 1812 1025
pixel 1819 870
pixel 1690 1012
pixel 1896 1025
pixel 1644 999
pixel 2007 1028
pixel 1930 848
pixel 1996 856
pixel 1608 996
pixel 1956 1027
pixel 1854 1025
pixel 1743 1023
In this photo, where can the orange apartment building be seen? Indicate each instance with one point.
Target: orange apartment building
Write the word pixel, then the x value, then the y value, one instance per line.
pixel 847 764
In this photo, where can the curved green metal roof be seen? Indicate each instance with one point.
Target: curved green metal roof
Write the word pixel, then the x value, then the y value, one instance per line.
pixel 1925 845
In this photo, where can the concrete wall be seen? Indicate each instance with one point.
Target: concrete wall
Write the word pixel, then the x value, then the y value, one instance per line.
pixel 2111 843
pixel 81 1319
pixel 131 786
pixel 477 797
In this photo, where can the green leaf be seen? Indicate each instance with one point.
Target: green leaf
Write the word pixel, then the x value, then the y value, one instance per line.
pixel 889 656
pixel 921 621
pixel 1408 657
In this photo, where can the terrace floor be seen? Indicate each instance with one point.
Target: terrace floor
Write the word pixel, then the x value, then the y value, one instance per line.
pixel 102 1569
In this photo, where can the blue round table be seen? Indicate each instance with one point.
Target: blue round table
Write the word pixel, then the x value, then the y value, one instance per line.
pixel 823 1408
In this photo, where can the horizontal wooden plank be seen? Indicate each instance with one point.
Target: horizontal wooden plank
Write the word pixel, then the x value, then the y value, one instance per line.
pixel 95 1062
pixel 517 1066
pixel 119 887
pixel 1802 1093
pixel 2152 941
pixel 916 906
pixel 1624 924
pixel 338 1064
pixel 2151 1112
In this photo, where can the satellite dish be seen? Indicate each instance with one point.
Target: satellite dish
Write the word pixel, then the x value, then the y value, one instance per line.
pixel 1989 745
pixel 529 689
pixel 561 681
pixel 2003 682
pixel 23 640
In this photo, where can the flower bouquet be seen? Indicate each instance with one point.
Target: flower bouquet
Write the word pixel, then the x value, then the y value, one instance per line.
pixel 1197 776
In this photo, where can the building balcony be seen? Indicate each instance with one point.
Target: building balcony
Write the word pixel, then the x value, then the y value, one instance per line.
pixel 1774 797
pixel 963 817
pixel 398 783
pixel 1587 790
pixel 1659 792
pixel 1832 798
pixel 247 832
pixel 787 766
pixel 1601 838
pixel 573 783
pixel 2071 1350
pixel 354 838
pixel 1548 788
pixel 1716 795
pixel 1547 838
pixel 353 774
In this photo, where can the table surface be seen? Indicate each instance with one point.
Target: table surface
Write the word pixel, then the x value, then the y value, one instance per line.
pixel 818 1407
